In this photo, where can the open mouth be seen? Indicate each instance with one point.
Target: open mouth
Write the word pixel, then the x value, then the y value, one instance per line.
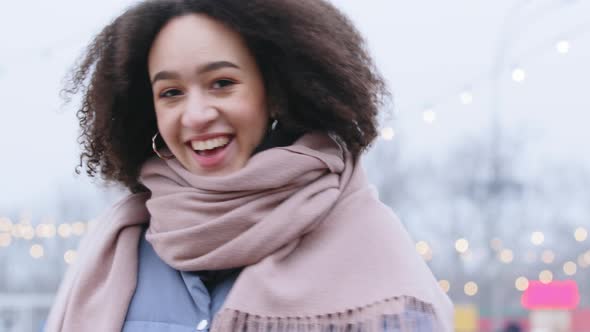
pixel 214 148
pixel 211 152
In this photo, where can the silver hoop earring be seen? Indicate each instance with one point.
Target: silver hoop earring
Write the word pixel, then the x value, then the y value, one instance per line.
pixel 155 148
pixel 274 125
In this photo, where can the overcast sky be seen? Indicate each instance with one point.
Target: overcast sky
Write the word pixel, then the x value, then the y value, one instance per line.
pixel 429 52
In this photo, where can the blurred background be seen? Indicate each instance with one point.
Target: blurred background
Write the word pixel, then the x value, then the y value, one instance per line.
pixel 483 152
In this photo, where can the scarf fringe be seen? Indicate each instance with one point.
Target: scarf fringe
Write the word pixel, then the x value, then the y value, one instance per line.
pixel 396 314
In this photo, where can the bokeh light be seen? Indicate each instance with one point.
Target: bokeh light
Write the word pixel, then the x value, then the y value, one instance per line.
pixel 36 251
pixel 521 283
pixel 546 276
pixel 470 288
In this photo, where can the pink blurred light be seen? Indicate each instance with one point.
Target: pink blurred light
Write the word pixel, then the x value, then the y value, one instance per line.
pixel 554 295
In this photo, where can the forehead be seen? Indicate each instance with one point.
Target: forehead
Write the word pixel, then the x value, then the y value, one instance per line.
pixel 196 38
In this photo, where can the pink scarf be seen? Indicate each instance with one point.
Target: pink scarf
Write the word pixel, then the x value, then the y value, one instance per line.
pixel 319 249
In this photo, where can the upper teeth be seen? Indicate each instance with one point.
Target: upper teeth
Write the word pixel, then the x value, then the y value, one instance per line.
pixel 210 143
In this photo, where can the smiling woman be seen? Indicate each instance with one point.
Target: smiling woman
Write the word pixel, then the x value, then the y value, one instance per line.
pixel 208 95
pixel 257 112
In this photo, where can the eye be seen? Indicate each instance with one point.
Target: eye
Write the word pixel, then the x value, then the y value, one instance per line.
pixel 170 93
pixel 220 84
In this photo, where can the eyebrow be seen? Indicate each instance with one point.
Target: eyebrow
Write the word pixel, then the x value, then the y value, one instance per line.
pixel 208 67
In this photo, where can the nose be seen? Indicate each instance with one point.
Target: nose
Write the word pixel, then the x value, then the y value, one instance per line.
pixel 198 112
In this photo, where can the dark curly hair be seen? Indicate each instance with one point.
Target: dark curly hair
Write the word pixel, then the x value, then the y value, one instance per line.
pixel 316 69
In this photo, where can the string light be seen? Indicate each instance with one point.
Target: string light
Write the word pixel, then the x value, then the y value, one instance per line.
pixel 548 256
pixel 64 230
pixel 521 284
pixel 429 116
pixel 387 133
pixel 518 75
pixel 506 256
pixel 470 288
pixel 563 46
pixel 570 268
pixel 78 228
pixel 422 247
pixel 51 231
pixel 70 256
pixel 445 285
pixel 461 245
pixel 537 238
pixel 466 97
pixel 27 232
pixel 580 234
pixel 546 276
pixel 36 251
pixel 424 250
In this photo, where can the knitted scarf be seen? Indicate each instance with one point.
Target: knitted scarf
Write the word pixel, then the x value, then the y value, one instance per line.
pixel 320 251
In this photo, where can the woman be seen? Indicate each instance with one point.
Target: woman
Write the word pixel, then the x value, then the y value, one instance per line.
pixel 238 127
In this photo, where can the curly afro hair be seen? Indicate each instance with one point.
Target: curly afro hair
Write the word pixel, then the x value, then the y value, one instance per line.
pixel 317 73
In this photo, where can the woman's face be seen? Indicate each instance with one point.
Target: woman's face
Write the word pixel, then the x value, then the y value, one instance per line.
pixel 208 94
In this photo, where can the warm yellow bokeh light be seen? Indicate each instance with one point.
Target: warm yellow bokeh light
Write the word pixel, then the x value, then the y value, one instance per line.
pixel 581 234
pixel 537 238
pixel 64 230
pixel 548 256
pixel 445 285
pixel 70 256
pixel 429 116
pixel 36 251
pixel 461 245
pixel 470 288
pixel 422 247
pixel 78 228
pixel 387 133
pixel 521 284
pixel 506 256
pixel 570 268
pixel 546 276
pixel 27 232
pixel 51 230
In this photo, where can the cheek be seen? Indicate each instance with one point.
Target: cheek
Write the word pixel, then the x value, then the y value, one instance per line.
pixel 166 127
pixel 257 121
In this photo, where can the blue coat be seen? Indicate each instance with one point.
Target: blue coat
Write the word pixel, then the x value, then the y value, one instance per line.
pixel 167 300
